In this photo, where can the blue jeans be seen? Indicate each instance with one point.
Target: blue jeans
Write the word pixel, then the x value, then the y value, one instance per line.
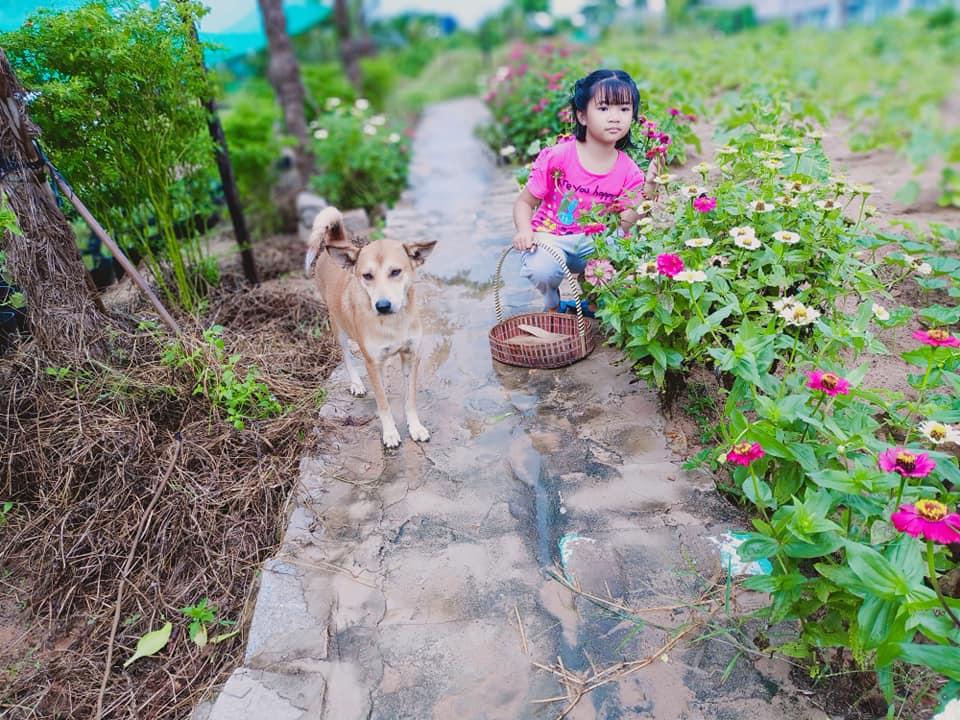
pixel 545 273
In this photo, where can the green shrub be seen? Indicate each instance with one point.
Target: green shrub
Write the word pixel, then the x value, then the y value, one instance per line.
pixel 361 157
pixel 325 80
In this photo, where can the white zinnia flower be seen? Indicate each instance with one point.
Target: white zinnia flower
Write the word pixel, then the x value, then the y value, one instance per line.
pixel 924 269
pixel 378 120
pixel 786 237
pixel 770 137
pixel 772 164
pixel 816 134
pixel 799 314
pixel 647 269
pixel 747 242
pixel 742 231
pixel 880 312
pixel 938 432
pixel 718 261
pixel 332 102
pixel 727 150
pixel 698 242
pixel 664 178
pixel 799 150
pixel 394 138
pixel 761 206
pixel 864 189
pixel 507 151
pixel 798 187
pixel 690 276
pixel 321 134
pixel 787 201
pixel 369 129
pixel 692 191
pixel 644 207
pixel 702 168
pixel 786 302
pixel 827 204
pixel 361 104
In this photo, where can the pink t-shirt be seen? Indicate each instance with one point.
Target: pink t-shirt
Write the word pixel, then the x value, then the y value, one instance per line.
pixel 565 189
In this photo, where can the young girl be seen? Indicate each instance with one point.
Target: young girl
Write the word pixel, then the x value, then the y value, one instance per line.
pixel 569 177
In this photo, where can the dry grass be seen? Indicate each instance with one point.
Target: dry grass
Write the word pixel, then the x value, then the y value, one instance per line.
pixel 83 457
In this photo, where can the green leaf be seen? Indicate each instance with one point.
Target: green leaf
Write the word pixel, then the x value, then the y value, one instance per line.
pixel 876 620
pixel 876 572
pixel 757 546
pixel 939 658
pixel 822 545
pixel 151 643
pixel 223 636
pixel 751 486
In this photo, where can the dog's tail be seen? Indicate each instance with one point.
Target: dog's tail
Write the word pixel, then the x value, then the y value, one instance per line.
pixel 327 230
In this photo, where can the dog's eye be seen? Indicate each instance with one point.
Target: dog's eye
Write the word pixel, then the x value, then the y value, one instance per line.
pixel 395 272
pixel 368 276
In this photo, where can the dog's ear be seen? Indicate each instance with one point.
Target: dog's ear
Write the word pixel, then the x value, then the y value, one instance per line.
pixel 418 252
pixel 344 256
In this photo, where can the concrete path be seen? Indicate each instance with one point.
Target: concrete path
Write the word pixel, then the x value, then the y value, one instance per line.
pixel 422 584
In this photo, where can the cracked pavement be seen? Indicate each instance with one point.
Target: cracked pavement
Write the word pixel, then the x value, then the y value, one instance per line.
pixel 419 584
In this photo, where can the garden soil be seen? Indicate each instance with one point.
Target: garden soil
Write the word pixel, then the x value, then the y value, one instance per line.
pixel 543 556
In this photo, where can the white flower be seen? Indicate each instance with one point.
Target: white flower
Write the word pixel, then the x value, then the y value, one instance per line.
pixel 644 207
pixel 690 276
pixel 864 189
pixel 786 302
pixel 799 150
pixel 799 314
pixel 502 72
pixel 394 138
pixel 742 231
pixel 361 104
pixel 647 269
pixel 692 191
pixel 924 269
pixel 321 134
pixel 378 120
pixel 332 102
pixel 644 222
pixel 727 150
pixel 702 168
pixel 869 210
pixel 369 129
pixel 664 178
pixel 827 205
pixel 761 206
pixel 815 134
pixel 786 237
pixel 718 261
pixel 938 432
pixel 770 137
pixel 880 312
pixel 840 181
pixel 765 154
pixel 787 201
pixel 507 151
pixel 698 242
pixel 951 711
pixel 772 164
pixel 798 187
pixel 747 242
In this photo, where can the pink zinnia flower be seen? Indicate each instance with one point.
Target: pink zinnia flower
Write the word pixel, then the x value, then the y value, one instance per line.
pixel 936 338
pixel 928 519
pixel 669 265
pixel 828 383
pixel 593 229
pixel 598 272
pixel 664 139
pixel 673 111
pixel 704 204
pixel 906 462
pixel 745 453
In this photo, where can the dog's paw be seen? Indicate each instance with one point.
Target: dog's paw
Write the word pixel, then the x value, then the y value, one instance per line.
pixel 419 433
pixel 357 389
pixel 391 438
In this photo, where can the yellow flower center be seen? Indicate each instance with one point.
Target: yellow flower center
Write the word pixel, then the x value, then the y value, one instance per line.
pixel 931 509
pixel 938 431
pixel 906 460
pixel 800 313
pixel 938 334
pixel 742 448
pixel 829 381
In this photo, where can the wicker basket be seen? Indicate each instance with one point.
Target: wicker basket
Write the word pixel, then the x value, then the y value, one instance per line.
pixel 579 333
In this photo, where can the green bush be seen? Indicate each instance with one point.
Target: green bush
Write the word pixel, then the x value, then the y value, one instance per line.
pixel 117 91
pixel 361 157
pixel 324 80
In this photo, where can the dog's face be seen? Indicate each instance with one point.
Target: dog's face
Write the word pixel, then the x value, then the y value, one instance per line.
pixel 385 270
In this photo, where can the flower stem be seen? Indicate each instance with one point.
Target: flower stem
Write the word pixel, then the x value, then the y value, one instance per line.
pixel 756 492
pixel 816 407
pixel 932 569
pixel 903 481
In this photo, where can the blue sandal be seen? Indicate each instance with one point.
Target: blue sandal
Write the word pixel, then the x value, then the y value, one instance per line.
pixel 571 306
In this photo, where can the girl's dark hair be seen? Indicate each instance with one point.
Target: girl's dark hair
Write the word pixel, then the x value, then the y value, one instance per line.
pixel 613 87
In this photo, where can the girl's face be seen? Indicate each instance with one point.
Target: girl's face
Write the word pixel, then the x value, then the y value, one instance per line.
pixel 606 122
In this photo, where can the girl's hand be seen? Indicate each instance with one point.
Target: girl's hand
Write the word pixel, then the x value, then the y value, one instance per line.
pixel 523 240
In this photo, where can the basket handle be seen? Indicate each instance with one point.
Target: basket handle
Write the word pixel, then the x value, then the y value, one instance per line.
pixel 571 281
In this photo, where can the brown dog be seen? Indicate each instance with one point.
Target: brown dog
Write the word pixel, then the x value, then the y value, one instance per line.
pixel 369 296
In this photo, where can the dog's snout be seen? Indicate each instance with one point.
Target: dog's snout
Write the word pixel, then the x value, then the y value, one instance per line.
pixel 382 306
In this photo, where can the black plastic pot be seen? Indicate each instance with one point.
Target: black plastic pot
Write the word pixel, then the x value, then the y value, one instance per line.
pixel 8 330
pixel 102 273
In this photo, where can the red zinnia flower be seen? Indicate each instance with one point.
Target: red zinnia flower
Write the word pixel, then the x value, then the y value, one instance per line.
pixel 936 338
pixel 828 382
pixel 669 265
pixel 745 453
pixel 704 204
pixel 929 519
pixel 906 462
pixel 673 111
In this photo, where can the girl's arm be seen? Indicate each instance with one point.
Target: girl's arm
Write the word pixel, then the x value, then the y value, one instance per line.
pixel 523 210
